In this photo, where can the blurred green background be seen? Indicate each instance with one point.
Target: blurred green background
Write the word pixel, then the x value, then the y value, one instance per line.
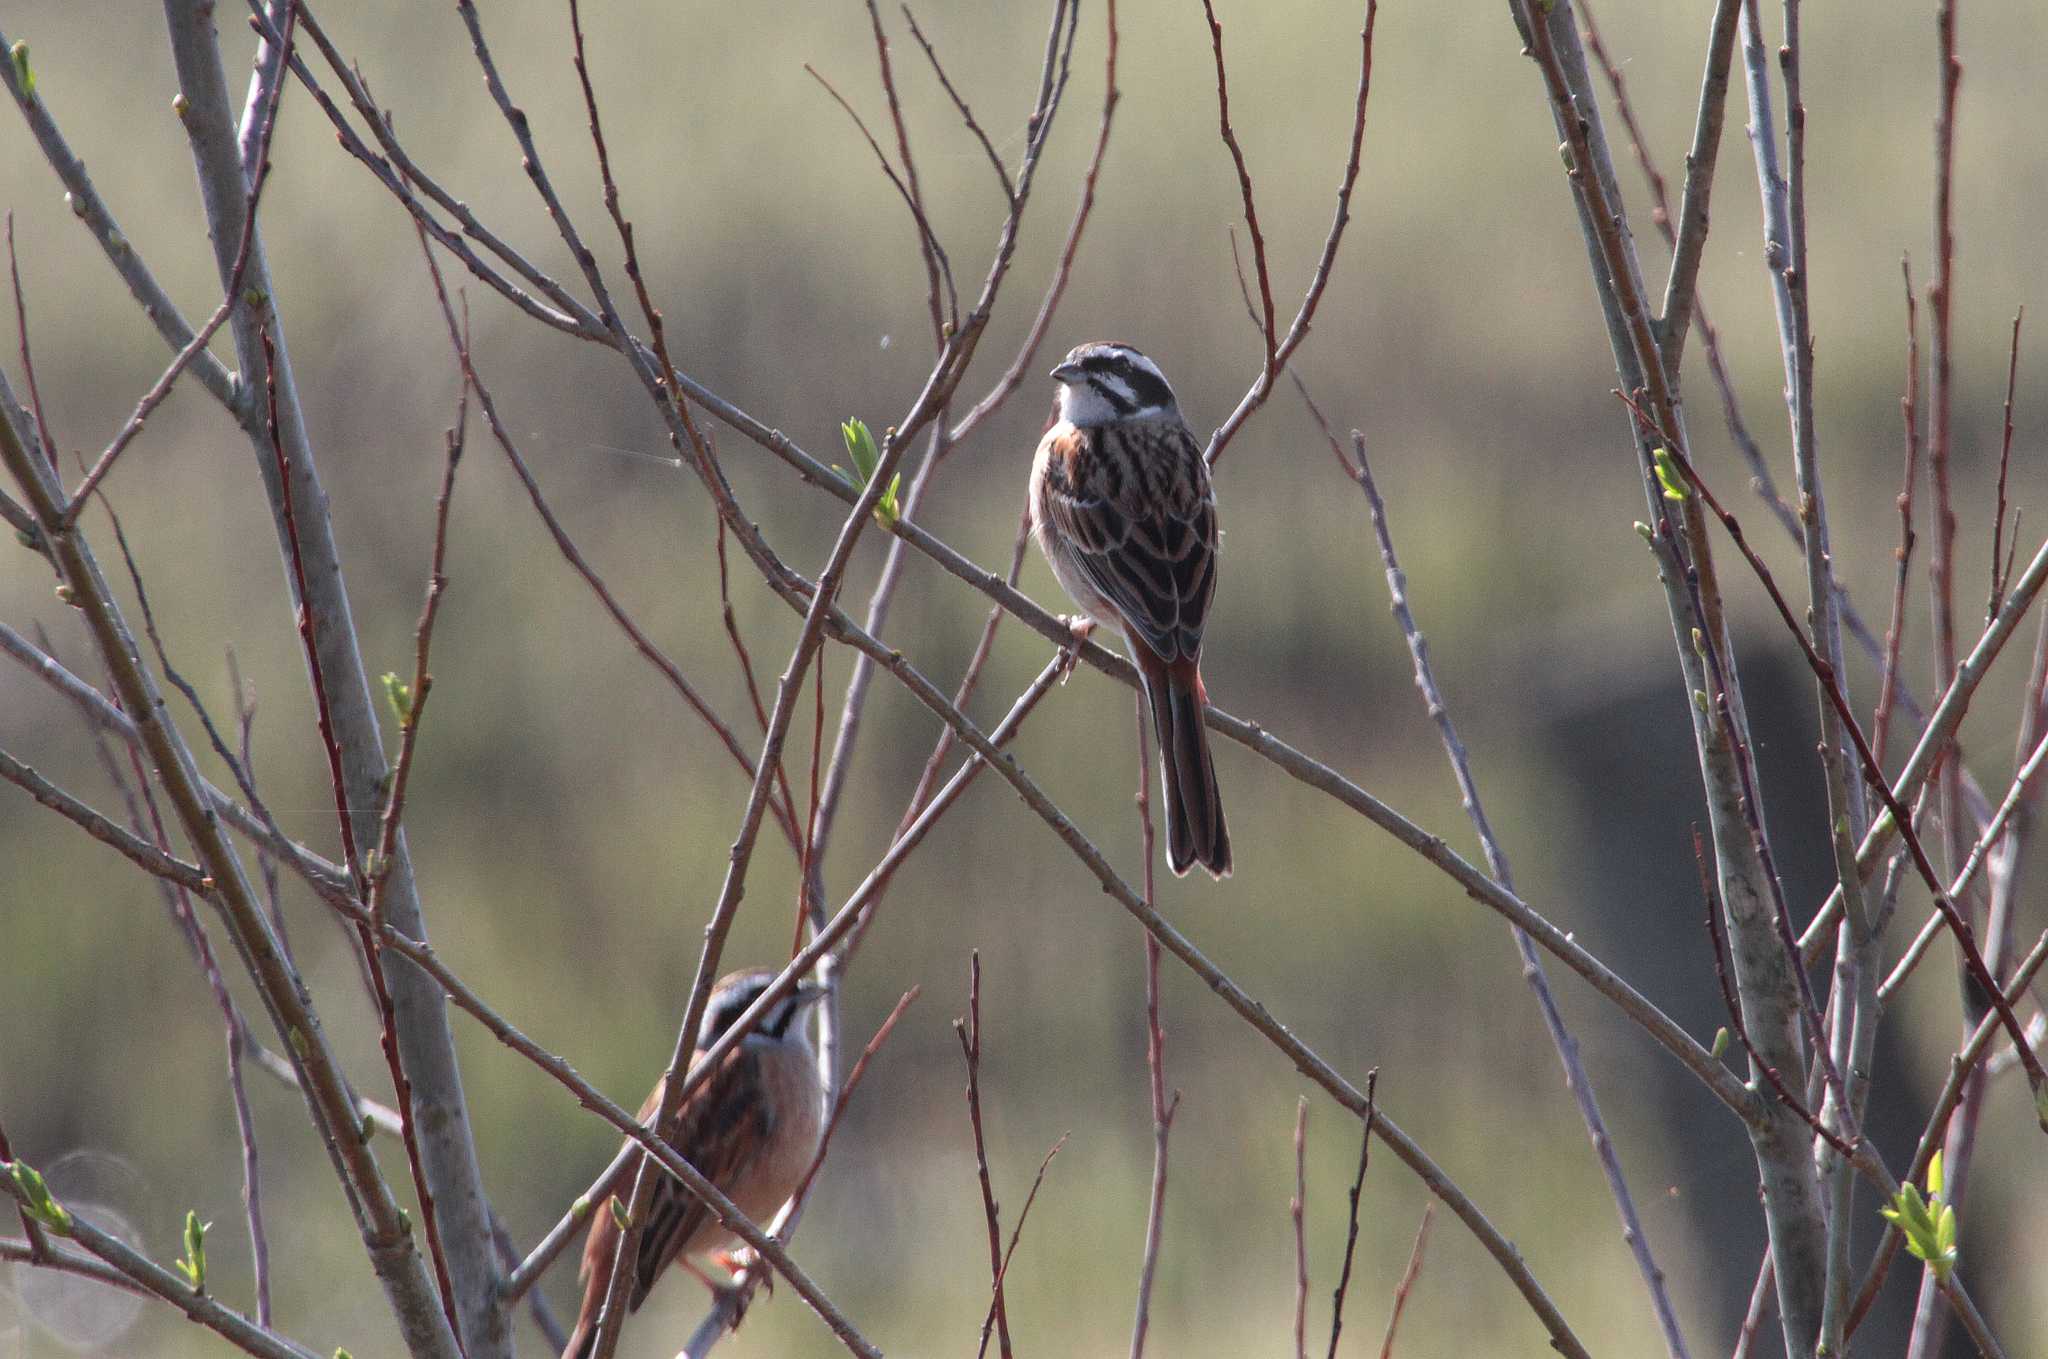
pixel 570 818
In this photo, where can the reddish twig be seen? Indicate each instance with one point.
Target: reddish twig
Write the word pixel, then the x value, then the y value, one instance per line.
pixel 1155 1058
pixel 1888 687
pixel 423 637
pixel 845 1095
pixel 1277 354
pixel 927 238
pixel 1407 1285
pixel 1941 301
pixel 945 82
pixel 1372 1081
pixel 209 968
pixel 1244 188
pixel 1973 961
pixel 746 660
pixel 387 1015
pixel 1998 577
pixel 1935 1133
pixel 1011 1250
pixel 1015 374
pixel 1296 1211
pixel 970 679
pixel 936 268
pixel 572 554
pixel 968 1031
pixel 258 175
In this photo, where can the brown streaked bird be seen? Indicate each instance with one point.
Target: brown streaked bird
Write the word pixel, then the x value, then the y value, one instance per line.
pixel 751 1128
pixel 1121 505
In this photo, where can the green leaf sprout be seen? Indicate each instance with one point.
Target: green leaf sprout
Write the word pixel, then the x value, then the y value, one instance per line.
pixel 1929 1224
pixel 193 1264
pixel 37 1200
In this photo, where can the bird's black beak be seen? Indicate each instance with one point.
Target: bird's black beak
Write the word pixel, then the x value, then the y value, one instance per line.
pixel 1066 372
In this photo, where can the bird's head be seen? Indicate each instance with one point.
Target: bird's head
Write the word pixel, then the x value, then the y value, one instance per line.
pixel 1102 382
pixel 739 990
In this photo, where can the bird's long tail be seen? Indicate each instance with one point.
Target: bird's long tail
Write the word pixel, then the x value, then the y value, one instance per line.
pixel 1195 830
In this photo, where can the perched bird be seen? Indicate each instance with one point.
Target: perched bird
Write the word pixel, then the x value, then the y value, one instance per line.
pixel 1121 505
pixel 751 1128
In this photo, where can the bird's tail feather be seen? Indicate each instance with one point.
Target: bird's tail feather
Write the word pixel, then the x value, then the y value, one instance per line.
pixel 1195 829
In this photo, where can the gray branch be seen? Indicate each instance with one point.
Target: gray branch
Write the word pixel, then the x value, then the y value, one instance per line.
pixel 426 1044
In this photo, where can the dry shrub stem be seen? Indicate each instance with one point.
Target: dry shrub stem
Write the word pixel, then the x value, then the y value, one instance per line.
pixel 1566 1044
pixel 1406 1287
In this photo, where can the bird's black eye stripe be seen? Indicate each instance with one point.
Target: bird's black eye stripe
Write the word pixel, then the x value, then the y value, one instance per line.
pixel 1148 391
pixel 1113 394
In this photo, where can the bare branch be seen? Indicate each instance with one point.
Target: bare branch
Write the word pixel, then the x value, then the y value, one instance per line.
pixel 1155 1057
pixel 2001 566
pixel 1372 1081
pixel 1576 1080
pixel 137 1272
pixel 1294 1211
pixel 968 1031
pixel 1406 1287
pixel 1277 354
pixel 257 160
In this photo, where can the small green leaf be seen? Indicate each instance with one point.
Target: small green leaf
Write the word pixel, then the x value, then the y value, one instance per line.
pixel 1699 700
pixel 580 1209
pixel 1936 1176
pixel 888 508
pixel 860 446
pixel 1720 1041
pixel 1668 476
pixel 342 1354
pixel 1645 532
pixel 619 1215
pixel 40 1205
pixel 398 694
pixel 296 1036
pixel 193 1265
pixel 24 74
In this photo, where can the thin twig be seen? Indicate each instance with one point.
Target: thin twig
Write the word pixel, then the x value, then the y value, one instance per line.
pixel 1244 188
pixel 1155 1058
pixel 1295 1211
pixel 1372 1081
pixel 387 1012
pixel 968 1031
pixel 1888 687
pixel 936 267
pixel 146 1276
pixel 1056 288
pixel 1406 1287
pixel 966 114
pixel 28 363
pixel 1924 1341
pixel 258 175
pixel 2000 567
pixel 1973 961
pixel 1010 1251
pixel 1576 1080
pixel 1277 354
pixel 408 1287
